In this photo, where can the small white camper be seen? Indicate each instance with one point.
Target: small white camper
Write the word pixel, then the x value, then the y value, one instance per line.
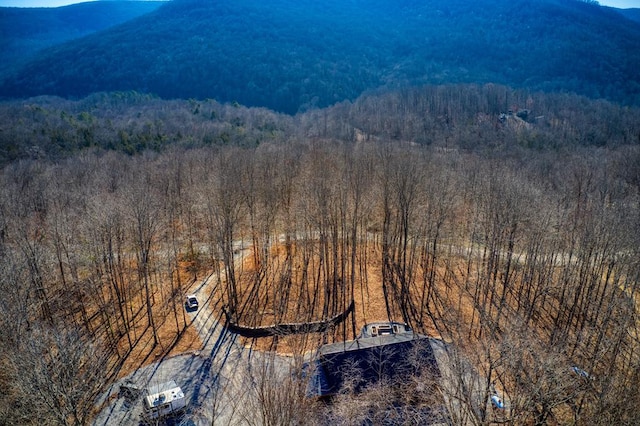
pixel 163 400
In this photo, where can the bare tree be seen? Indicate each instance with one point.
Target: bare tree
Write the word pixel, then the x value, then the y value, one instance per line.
pixel 60 373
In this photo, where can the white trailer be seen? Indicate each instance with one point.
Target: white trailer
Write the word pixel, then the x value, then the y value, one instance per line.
pixel 163 400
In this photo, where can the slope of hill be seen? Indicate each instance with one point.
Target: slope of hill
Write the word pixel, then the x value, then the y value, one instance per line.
pixel 452 117
pixel 24 31
pixel 291 56
pixel 633 14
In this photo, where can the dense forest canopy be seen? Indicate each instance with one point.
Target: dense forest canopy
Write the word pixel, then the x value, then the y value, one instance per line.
pixel 469 117
pixel 25 31
pixel 292 56
pixel 633 14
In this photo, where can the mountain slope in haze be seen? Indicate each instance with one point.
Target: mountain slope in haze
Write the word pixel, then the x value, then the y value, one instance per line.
pixel 24 31
pixel 293 55
pixel 633 14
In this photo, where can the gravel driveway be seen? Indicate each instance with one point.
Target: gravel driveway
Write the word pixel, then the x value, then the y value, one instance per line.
pixel 219 381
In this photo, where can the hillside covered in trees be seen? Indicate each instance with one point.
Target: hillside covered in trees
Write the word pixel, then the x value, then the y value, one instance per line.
pixel 633 14
pixel 506 222
pixel 470 117
pixel 26 31
pixel 292 56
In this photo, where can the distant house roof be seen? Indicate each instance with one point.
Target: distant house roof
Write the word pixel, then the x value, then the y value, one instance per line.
pixel 366 361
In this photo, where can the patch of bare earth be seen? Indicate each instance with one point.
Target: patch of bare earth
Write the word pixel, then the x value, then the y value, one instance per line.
pixel 267 305
pixel 173 332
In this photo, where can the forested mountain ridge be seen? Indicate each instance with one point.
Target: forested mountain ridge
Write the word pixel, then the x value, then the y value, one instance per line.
pixel 489 119
pixel 292 56
pixel 25 31
pixel 633 13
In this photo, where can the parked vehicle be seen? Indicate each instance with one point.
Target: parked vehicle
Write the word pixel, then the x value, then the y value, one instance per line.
pixel 497 402
pixel 191 302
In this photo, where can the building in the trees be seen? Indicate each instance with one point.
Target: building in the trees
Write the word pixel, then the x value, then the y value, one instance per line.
pixel 165 399
pixel 384 351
